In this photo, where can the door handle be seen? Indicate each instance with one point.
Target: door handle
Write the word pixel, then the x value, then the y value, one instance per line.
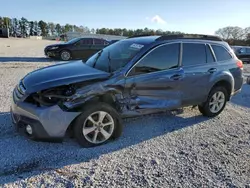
pixel 176 77
pixel 212 70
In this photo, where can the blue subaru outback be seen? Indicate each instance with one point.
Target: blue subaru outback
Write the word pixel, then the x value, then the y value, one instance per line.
pixel 135 76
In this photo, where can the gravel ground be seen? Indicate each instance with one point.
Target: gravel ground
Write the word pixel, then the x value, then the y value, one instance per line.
pixel 174 149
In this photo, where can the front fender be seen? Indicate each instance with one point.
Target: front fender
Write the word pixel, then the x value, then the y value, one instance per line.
pixel 87 93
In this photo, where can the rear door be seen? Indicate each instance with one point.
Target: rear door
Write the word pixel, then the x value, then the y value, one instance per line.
pixel 198 65
pixel 154 81
pixel 98 44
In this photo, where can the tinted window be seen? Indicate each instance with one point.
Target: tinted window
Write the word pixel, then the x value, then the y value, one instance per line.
pixel 248 50
pixel 221 53
pixel 98 41
pixel 86 41
pixel 193 54
pixel 210 57
pixel 242 50
pixel 161 58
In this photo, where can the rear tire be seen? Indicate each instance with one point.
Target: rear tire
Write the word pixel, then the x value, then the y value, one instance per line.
pixel 97 125
pixel 215 103
pixel 65 55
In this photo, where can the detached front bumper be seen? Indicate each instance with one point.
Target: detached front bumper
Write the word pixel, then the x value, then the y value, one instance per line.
pixel 48 123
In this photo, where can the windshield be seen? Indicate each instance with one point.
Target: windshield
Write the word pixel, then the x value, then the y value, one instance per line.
pixel 72 41
pixel 115 56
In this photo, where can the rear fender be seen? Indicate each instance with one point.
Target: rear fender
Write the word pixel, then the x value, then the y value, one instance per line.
pixel 224 76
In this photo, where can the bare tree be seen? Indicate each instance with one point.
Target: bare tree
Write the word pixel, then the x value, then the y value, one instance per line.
pixel 231 33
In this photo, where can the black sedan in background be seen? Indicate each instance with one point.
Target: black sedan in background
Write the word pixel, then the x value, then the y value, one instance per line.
pixel 77 48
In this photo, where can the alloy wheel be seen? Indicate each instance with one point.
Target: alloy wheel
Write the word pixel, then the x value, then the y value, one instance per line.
pixel 98 127
pixel 65 55
pixel 217 102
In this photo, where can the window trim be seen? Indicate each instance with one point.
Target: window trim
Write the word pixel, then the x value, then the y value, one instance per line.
pixel 212 52
pixel 225 49
pixel 192 42
pixel 151 50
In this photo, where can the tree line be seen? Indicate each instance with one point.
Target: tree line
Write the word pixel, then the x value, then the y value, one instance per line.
pixel 24 28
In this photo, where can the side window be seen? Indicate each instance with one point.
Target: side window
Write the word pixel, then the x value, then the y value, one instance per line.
pixel 242 50
pixel 210 57
pixel 98 42
pixel 87 41
pixel 248 50
pixel 106 42
pixel 221 53
pixel 193 54
pixel 162 58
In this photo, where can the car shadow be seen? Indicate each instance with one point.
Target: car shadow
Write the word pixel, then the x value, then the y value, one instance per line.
pixel 22 158
pixel 243 97
pixel 26 59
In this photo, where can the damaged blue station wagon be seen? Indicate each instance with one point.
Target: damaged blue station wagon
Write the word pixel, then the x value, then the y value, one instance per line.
pixel 134 76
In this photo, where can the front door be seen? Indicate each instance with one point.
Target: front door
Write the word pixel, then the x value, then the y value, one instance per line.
pixel 82 49
pixel 154 82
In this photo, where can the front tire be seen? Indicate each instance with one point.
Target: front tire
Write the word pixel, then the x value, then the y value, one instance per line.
pixel 65 55
pixel 215 103
pixel 97 125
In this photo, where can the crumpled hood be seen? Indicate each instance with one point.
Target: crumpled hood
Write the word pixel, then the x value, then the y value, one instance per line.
pixel 61 74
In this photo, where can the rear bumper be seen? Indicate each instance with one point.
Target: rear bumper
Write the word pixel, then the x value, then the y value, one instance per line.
pixel 48 123
pixel 238 86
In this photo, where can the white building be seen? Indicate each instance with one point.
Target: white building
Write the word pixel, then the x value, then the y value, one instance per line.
pixel 71 35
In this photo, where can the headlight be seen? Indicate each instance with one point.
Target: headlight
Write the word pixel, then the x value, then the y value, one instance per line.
pixel 54 48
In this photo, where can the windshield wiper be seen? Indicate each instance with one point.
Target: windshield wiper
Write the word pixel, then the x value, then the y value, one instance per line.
pixel 97 57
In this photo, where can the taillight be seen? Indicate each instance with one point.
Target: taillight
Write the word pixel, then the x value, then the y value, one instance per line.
pixel 239 64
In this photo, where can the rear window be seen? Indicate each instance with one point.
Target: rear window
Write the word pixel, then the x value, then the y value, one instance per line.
pixel 221 53
pixel 98 41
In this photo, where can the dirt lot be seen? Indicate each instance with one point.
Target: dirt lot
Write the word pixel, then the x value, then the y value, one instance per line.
pixel 174 149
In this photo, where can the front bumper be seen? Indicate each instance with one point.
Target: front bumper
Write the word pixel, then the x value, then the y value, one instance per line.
pixel 48 123
pixel 51 53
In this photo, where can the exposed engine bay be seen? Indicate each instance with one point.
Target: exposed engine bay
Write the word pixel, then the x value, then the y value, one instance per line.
pixel 52 96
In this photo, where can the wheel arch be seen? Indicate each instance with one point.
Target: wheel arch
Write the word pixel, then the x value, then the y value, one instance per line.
pixel 227 84
pixel 108 98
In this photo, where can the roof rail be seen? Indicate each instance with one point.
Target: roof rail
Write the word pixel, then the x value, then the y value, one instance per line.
pixel 143 35
pixel 190 36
